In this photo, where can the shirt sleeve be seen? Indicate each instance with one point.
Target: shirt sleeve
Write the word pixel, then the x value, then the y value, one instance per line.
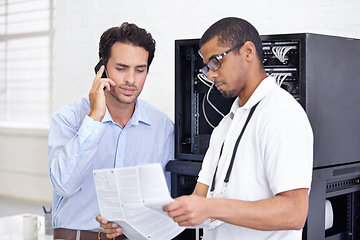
pixel 289 154
pixel 168 152
pixel 71 145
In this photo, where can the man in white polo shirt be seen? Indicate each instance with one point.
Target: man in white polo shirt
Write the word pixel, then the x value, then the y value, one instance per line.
pixel 262 176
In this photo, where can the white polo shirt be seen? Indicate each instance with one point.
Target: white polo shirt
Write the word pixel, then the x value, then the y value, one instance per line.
pixel 275 155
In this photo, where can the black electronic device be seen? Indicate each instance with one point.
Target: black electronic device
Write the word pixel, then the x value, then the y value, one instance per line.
pixel 97 67
pixel 320 71
pixel 340 186
pixel 322 74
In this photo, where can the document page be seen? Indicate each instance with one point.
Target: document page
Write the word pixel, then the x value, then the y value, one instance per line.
pixel 133 197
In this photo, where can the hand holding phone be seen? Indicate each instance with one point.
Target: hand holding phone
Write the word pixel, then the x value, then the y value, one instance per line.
pixel 98 101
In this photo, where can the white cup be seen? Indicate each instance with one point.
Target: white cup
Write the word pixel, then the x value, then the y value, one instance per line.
pixel 31 227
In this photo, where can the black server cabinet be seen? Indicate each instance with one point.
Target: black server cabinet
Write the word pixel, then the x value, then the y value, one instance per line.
pixel 323 74
pixel 341 186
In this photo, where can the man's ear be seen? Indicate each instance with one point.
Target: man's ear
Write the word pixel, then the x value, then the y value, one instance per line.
pixel 249 50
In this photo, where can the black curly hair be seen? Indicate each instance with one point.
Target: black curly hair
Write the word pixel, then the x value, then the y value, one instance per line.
pixel 232 31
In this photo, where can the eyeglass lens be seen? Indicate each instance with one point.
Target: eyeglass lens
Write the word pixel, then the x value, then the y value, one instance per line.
pixel 213 64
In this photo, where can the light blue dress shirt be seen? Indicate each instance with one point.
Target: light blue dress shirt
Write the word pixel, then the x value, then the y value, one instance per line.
pixel 77 145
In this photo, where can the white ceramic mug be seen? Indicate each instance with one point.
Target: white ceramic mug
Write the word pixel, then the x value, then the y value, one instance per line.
pixel 31 226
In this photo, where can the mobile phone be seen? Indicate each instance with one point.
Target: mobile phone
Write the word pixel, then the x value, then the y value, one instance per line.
pixel 97 67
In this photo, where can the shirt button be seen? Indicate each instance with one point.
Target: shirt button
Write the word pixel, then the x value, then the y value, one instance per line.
pixel 76 155
pixel 231 115
pixel 89 128
pixel 119 158
pixel 95 131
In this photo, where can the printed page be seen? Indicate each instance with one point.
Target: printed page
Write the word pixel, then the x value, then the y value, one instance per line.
pixel 154 191
pixel 142 192
pixel 130 232
pixel 153 188
pixel 107 194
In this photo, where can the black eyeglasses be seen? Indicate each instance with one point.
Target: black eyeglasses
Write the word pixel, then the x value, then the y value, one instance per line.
pixel 214 63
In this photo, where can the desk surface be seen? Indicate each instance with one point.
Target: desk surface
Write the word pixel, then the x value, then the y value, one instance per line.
pixel 11 228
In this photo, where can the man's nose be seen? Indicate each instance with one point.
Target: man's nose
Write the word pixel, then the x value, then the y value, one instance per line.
pixel 130 77
pixel 212 75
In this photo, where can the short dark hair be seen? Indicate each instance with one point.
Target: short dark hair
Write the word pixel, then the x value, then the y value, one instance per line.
pixel 232 31
pixel 127 33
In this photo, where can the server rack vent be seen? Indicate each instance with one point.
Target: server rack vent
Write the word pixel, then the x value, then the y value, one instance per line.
pixel 335 186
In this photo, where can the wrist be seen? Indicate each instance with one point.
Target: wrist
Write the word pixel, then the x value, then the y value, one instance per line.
pixel 213 208
pixel 95 117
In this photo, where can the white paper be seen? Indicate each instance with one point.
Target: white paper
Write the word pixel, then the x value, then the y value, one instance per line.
pixel 133 197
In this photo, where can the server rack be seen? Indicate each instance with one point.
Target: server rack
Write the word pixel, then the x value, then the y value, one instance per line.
pixel 322 73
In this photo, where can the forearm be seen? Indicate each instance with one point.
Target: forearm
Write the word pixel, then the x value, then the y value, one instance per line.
pixel 70 156
pixel 283 212
pixel 200 189
pixel 68 169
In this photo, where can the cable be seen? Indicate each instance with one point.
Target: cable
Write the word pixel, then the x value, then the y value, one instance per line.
pixel 280 52
pixel 206 81
pixel 210 103
pixel 280 77
pixel 283 78
pixel 203 108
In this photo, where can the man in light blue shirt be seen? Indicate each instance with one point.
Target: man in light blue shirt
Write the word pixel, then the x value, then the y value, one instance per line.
pixel 111 128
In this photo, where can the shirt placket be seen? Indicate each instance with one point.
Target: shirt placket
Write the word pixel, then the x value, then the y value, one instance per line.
pixel 235 127
pixel 120 149
pixel 230 139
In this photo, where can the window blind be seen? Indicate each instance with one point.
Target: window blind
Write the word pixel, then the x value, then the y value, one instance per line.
pixel 26 38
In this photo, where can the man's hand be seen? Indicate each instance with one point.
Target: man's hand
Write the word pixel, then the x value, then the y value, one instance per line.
pixel 112 230
pixel 97 95
pixel 188 210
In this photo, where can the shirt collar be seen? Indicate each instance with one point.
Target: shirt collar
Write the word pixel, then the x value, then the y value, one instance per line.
pixel 260 92
pixel 139 114
pixel 107 117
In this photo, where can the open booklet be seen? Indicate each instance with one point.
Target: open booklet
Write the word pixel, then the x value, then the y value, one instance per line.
pixel 133 197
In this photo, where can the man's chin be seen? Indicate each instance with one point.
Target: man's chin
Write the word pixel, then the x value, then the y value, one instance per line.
pixel 227 94
pixel 126 99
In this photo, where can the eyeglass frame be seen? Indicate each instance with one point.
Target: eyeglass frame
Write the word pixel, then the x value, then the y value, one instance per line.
pixel 216 59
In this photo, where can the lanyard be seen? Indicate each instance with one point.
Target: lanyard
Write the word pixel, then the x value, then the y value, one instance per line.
pixel 226 180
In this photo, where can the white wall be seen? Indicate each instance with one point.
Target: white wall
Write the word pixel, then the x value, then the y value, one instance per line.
pixel 23 163
pixel 79 24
